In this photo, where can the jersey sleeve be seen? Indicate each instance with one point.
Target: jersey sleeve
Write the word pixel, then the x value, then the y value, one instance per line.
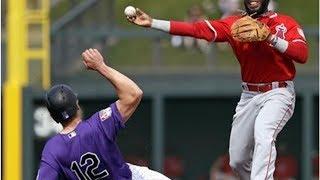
pixel 296 40
pixel 47 172
pixel 295 32
pixel 49 168
pixel 214 30
pixel 109 121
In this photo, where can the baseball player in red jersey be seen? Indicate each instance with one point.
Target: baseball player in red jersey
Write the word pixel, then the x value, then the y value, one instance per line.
pixel 267 70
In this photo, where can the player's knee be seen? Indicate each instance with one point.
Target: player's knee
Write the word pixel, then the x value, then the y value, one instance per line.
pixel 264 138
pixel 264 142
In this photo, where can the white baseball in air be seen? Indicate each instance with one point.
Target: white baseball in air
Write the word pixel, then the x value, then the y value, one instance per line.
pixel 130 11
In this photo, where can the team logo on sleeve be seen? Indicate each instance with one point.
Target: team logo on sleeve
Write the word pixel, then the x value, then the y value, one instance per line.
pixel 105 113
pixel 281 30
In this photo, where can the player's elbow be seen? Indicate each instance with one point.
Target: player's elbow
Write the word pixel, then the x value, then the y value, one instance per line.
pixel 200 34
pixel 303 57
pixel 136 96
pixel 298 52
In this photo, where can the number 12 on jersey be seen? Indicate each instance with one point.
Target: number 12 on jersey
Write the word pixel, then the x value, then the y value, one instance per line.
pixel 91 162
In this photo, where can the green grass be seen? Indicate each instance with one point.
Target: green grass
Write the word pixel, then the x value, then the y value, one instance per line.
pixel 183 56
pixel 164 9
pixel 306 12
pixel 131 52
pixel 313 53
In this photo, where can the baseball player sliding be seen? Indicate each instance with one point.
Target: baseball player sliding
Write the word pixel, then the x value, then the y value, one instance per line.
pixel 87 150
pixel 266 45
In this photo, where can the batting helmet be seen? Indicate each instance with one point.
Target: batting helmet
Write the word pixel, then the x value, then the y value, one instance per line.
pixel 61 102
pixel 263 8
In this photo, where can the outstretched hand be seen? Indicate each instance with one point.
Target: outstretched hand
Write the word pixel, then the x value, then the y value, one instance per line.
pixel 92 59
pixel 140 19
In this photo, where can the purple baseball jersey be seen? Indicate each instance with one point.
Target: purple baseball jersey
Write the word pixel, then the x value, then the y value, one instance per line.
pixel 88 152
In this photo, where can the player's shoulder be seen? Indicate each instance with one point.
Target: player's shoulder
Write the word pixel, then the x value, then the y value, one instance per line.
pixel 52 146
pixel 232 17
pixel 101 115
pixel 53 141
pixel 107 113
pixel 289 20
pixel 111 111
pixel 228 20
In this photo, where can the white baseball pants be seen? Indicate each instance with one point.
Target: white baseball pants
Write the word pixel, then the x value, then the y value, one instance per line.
pixel 144 173
pixel 258 119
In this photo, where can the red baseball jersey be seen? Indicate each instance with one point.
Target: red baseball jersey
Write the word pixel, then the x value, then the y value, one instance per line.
pixel 259 61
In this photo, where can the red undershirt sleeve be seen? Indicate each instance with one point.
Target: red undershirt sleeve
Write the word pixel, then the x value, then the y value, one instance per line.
pixel 297 46
pixel 197 30
pixel 298 51
pixel 215 30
